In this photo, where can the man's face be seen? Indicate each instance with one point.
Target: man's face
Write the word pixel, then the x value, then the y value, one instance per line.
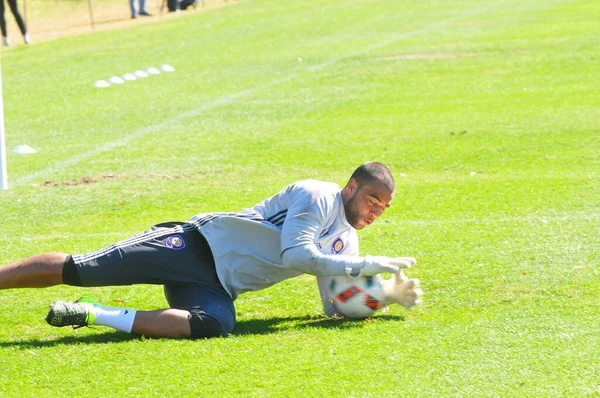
pixel 365 203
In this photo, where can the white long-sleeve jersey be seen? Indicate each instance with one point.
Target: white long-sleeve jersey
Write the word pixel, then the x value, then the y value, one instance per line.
pixel 302 229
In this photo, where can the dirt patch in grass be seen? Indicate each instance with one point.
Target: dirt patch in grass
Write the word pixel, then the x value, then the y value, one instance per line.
pixel 112 176
pixel 73 183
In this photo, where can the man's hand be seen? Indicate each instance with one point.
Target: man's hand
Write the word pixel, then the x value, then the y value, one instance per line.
pixel 378 264
pixel 401 290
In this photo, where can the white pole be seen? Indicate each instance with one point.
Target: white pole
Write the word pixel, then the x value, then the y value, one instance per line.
pixel 3 174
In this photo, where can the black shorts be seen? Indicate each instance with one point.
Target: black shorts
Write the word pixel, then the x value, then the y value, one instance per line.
pixel 172 254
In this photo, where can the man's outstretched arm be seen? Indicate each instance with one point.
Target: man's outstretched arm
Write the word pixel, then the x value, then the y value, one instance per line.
pixel 309 259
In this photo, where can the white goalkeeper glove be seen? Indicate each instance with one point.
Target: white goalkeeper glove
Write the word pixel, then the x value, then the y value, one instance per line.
pixel 401 290
pixel 377 264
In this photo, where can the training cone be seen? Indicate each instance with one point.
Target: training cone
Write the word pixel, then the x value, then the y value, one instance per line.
pixel 101 84
pixel 140 73
pixel 152 71
pixel 129 76
pixel 23 150
pixel 116 80
pixel 167 68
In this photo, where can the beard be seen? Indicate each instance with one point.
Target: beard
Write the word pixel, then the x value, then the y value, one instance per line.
pixel 351 210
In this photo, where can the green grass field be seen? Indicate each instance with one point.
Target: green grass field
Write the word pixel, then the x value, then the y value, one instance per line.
pixel 487 112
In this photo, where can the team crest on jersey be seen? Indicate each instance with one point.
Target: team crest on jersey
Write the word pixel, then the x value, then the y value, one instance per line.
pixel 175 242
pixel 337 246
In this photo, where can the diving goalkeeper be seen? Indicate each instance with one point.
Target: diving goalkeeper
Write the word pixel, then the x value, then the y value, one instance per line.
pixel 206 262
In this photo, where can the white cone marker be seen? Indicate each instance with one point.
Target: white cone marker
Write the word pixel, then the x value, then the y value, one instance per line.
pixel 152 71
pixel 167 68
pixel 101 84
pixel 23 149
pixel 133 76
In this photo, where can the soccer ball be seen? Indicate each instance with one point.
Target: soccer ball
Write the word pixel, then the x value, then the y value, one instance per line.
pixel 356 298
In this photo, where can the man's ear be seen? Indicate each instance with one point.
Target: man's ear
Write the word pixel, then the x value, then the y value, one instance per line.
pixel 352 186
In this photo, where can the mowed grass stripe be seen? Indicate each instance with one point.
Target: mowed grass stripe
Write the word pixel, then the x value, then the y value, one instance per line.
pixel 229 99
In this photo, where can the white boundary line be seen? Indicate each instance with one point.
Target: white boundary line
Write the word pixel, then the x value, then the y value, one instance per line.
pixel 226 100
pixel 3 171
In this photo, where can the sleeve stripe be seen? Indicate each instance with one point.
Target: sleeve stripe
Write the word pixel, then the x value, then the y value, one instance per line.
pixel 274 218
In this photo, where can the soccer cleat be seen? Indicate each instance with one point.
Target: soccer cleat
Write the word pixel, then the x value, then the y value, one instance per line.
pixel 90 300
pixel 77 314
pixel 26 38
pixel 5 41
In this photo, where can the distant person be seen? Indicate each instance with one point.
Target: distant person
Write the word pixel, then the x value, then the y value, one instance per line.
pixel 178 5
pixel 184 4
pixel 173 5
pixel 13 7
pixel 141 10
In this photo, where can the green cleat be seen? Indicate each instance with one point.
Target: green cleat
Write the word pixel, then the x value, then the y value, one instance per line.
pixel 88 300
pixel 77 314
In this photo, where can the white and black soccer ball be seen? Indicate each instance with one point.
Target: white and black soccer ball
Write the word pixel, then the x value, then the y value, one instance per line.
pixel 356 298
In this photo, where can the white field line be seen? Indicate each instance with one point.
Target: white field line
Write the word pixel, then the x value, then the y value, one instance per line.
pixel 228 99
pixel 541 219
pixel 487 220
pixel 33 238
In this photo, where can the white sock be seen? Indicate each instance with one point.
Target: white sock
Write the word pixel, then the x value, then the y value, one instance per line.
pixel 116 318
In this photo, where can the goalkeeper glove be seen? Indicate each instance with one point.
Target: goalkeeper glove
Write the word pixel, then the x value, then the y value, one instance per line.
pixel 377 264
pixel 401 290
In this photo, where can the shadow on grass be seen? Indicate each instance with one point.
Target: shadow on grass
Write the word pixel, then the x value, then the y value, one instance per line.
pixel 280 324
pixel 105 338
pixel 243 327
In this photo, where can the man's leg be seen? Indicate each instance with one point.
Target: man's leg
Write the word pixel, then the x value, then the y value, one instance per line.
pixel 42 270
pixel 133 9
pixel 143 10
pixel 171 252
pixel 197 312
pixel 171 323
pixel 46 270
pixel 3 23
pixel 210 308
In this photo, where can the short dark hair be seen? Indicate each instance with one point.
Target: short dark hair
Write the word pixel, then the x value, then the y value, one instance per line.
pixel 374 171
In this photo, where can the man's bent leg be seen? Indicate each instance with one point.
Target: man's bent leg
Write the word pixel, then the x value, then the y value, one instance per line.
pixel 42 270
pixel 172 253
pixel 171 323
pixel 211 309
